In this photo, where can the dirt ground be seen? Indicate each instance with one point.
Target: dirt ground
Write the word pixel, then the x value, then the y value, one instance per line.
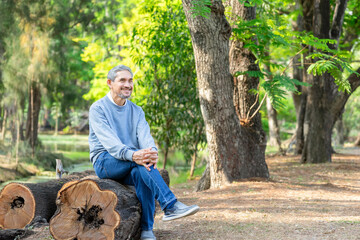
pixel 309 201
pixel 299 201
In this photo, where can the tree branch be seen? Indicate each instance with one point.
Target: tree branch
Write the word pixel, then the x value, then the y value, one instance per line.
pixel 338 19
pixel 342 97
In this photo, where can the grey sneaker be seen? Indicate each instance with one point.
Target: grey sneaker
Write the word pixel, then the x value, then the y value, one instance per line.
pixel 179 210
pixel 147 235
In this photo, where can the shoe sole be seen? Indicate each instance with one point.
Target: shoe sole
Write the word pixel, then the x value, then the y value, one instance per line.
pixel 185 214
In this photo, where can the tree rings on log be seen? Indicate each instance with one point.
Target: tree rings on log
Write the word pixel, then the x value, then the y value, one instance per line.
pixel 20 203
pixel 96 209
pixel 17 206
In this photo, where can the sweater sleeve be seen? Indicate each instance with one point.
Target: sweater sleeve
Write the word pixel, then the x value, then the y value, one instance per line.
pixel 107 136
pixel 144 137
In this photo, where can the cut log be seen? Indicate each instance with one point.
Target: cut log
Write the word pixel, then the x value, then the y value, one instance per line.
pixel 21 202
pixel 96 209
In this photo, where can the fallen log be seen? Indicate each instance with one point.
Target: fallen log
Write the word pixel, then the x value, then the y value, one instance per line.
pixel 20 203
pixel 96 209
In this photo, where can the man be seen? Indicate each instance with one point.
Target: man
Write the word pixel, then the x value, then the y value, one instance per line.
pixel 121 148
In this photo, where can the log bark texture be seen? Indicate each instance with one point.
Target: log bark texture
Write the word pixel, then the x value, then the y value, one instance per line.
pixel 96 209
pixel 11 234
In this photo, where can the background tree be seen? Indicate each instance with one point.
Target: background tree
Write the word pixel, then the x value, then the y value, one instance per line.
pixel 172 105
pixel 229 158
pixel 324 102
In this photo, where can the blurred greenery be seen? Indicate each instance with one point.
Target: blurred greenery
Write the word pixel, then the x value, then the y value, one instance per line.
pixel 64 50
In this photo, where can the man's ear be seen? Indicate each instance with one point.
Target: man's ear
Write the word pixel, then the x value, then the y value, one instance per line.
pixel 109 83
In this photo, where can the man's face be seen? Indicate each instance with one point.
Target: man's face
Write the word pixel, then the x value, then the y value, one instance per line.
pixel 123 84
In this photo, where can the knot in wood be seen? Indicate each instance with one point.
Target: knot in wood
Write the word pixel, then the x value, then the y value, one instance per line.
pixel 91 216
pixel 17 203
pixel 245 122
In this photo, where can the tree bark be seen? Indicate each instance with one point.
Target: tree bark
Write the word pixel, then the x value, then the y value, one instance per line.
pixel 234 152
pixel 340 135
pixel 357 141
pixel 96 209
pixel 274 131
pixel 193 163
pixel 324 102
pixel 33 115
pixel 11 234
pixel 3 127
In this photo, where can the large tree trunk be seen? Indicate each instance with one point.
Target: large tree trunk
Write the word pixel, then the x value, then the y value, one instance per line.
pixel 241 60
pixel 234 152
pixel 324 102
pixel 96 209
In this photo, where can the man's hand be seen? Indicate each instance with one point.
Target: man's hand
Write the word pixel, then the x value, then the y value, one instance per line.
pixel 146 157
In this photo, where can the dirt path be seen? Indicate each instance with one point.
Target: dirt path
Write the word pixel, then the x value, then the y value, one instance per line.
pixel 299 202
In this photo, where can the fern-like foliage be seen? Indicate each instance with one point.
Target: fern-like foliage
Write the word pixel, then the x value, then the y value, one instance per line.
pixel 201 8
pixel 333 65
pixel 277 88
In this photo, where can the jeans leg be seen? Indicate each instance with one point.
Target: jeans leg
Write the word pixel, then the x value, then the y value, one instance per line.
pixel 106 166
pixel 157 185
pixel 145 196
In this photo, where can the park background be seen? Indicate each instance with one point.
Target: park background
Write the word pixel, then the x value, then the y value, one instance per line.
pixel 257 90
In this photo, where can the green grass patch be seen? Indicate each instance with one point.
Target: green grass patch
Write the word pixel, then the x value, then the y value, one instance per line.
pixel 77 157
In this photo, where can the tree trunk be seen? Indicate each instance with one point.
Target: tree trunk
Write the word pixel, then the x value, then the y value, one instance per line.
pixel 194 156
pixel 357 141
pixel 193 163
pixel 96 209
pixel 17 115
pixel 300 124
pixel 33 115
pixel 274 131
pixel 324 102
pixel 56 125
pixel 340 135
pixel 234 152
pixel 3 127
pixel 166 155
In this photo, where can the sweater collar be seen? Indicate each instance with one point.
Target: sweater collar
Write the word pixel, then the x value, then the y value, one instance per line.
pixel 112 100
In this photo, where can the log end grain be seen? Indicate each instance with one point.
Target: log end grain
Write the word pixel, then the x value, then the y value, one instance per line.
pixel 17 206
pixel 85 212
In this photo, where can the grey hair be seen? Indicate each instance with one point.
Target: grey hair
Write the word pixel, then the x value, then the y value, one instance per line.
pixel 112 73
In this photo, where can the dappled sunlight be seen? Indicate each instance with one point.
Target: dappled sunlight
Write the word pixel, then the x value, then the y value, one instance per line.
pixel 300 201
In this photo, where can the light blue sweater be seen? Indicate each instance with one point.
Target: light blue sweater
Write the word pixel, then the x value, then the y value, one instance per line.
pixel 119 130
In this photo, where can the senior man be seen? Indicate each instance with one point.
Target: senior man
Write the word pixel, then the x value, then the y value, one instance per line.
pixel 122 149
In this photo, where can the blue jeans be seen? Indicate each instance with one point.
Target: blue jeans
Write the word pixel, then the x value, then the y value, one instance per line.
pixel 149 185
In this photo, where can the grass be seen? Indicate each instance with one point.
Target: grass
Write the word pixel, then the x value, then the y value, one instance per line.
pixel 77 156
